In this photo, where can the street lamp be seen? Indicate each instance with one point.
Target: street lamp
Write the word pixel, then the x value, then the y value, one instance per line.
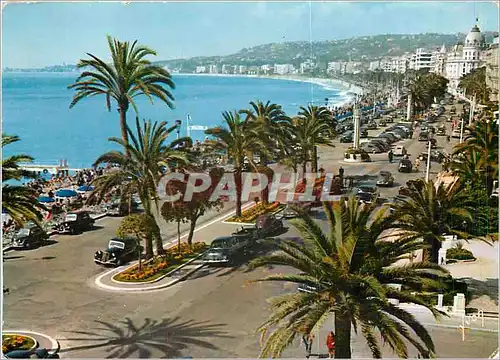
pixel 428 167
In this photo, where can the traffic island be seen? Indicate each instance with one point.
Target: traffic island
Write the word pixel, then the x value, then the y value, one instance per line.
pixel 356 156
pixel 13 340
pixel 160 267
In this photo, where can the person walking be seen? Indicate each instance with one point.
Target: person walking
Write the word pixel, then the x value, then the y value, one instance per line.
pixel 448 138
pixel 330 344
pixel 417 164
pixel 341 173
pixel 390 154
pixel 307 339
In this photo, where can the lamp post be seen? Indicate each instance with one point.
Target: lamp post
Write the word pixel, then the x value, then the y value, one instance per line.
pixel 461 130
pixel 355 111
pixel 428 167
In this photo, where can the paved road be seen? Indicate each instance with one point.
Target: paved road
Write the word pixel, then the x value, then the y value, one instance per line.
pixel 213 314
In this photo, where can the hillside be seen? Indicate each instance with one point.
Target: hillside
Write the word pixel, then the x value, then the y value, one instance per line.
pixel 357 49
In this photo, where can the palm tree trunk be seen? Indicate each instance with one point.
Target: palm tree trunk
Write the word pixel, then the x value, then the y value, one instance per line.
pixel 237 178
pixel 122 109
pixel 314 163
pixel 148 245
pixel 179 236
pixel 157 237
pixel 192 227
pixel 342 337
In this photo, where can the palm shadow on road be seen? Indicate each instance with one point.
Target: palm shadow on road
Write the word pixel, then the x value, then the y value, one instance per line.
pixel 168 337
pixel 479 288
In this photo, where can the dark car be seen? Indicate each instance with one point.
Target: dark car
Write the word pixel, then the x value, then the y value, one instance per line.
pixel 363 191
pixel 31 354
pixel 381 142
pixel 227 250
pixel 382 122
pixel 398 199
pixel 436 156
pixel 372 125
pixel 75 223
pixel 118 252
pixel 347 137
pixel 363 132
pixel 29 237
pixel 118 208
pixel 453 110
pixel 405 165
pixel 441 131
pixel 292 209
pixel 385 179
pixel 423 136
pixel 268 225
pixel 390 137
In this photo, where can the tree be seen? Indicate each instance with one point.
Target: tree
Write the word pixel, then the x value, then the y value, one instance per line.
pixel 19 202
pixel 424 87
pixel 474 83
pixel 138 225
pixel 129 76
pixel 240 138
pixel 183 210
pixel 428 211
pixel 317 123
pixel 140 168
pixel 349 269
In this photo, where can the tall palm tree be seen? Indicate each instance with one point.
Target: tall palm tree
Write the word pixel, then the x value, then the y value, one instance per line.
pixel 429 211
pixel 271 123
pixel 20 202
pixel 319 124
pixel 129 75
pixel 140 171
pixel 474 83
pixel 240 138
pixel 349 269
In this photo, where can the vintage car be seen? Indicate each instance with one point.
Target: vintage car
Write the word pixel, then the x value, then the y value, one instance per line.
pixel 385 179
pixel 436 156
pixel 290 210
pixel 118 252
pixel 347 137
pixel 423 136
pixel 453 110
pixel 118 208
pixel 400 150
pixel 39 353
pixel 29 237
pixel 441 131
pixel 398 199
pixel 366 192
pixel 268 225
pixel 382 122
pixel 372 125
pixel 405 165
pixel 227 250
pixel 75 223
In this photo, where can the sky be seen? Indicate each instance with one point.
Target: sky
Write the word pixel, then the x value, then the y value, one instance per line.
pixel 41 34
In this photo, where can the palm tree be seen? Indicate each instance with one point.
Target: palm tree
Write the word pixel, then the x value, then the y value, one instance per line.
pixel 271 122
pixel 20 202
pixel 319 123
pixel 240 138
pixel 129 76
pixel 430 211
pixel 475 83
pixel 140 171
pixel 348 270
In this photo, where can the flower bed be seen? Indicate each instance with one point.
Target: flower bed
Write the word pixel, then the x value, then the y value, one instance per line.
pixel 12 342
pixel 251 215
pixel 161 265
pixel 459 254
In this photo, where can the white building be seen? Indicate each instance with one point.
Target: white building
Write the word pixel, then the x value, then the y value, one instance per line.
pixel 242 69
pixel 266 69
pixel 421 59
pixel 439 61
pixel 334 67
pixel 213 69
pixel 374 65
pixel 283 69
pixel 226 69
pixel 201 69
pixel 306 66
pixel 462 59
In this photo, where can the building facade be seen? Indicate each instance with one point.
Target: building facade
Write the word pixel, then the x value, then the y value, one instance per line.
pixel 463 58
pixel 439 61
pixel 421 59
pixel 283 69
pixel 491 57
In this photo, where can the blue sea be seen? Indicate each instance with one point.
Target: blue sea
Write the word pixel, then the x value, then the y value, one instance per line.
pixel 36 108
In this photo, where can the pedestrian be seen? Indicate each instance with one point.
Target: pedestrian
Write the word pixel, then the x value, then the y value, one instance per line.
pixel 341 172
pixel 417 164
pixel 307 339
pixel 330 344
pixel 390 154
pixel 448 138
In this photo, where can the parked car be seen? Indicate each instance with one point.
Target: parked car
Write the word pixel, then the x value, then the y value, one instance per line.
pixel 75 222
pixel 455 134
pixel 372 148
pixel 423 136
pixel 405 165
pixel 291 212
pixel 385 179
pixel 227 250
pixel 436 156
pixel 370 189
pixel 441 131
pixel 388 136
pixel 268 225
pixel 363 132
pixel 382 142
pixel 29 237
pixel 400 150
pixel 453 110
pixel 118 252
pixel 382 122
pixel 372 125
pixel 395 134
pixel 347 137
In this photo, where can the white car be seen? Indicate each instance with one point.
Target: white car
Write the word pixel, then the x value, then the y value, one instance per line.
pixel 455 134
pixel 400 150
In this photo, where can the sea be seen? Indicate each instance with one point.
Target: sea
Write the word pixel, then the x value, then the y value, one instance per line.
pixel 35 106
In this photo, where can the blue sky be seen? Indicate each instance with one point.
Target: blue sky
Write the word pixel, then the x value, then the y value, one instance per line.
pixel 39 34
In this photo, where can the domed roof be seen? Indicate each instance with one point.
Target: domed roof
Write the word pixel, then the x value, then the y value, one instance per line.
pixel 474 38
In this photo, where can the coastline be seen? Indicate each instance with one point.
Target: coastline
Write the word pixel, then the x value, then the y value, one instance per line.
pixel 329 84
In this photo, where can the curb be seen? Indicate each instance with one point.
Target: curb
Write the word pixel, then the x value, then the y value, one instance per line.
pixel 54 343
pixel 159 278
pixel 152 288
pixel 495 354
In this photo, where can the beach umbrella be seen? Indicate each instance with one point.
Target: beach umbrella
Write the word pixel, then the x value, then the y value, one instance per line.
pixel 46 199
pixel 85 188
pixel 66 193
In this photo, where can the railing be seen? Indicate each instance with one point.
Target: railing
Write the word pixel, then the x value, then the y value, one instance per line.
pixel 468 319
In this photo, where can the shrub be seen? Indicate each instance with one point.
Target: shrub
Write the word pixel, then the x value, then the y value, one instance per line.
pixel 16 342
pixel 359 152
pixel 254 212
pixel 459 253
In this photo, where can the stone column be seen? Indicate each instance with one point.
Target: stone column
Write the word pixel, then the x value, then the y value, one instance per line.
pixel 408 107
